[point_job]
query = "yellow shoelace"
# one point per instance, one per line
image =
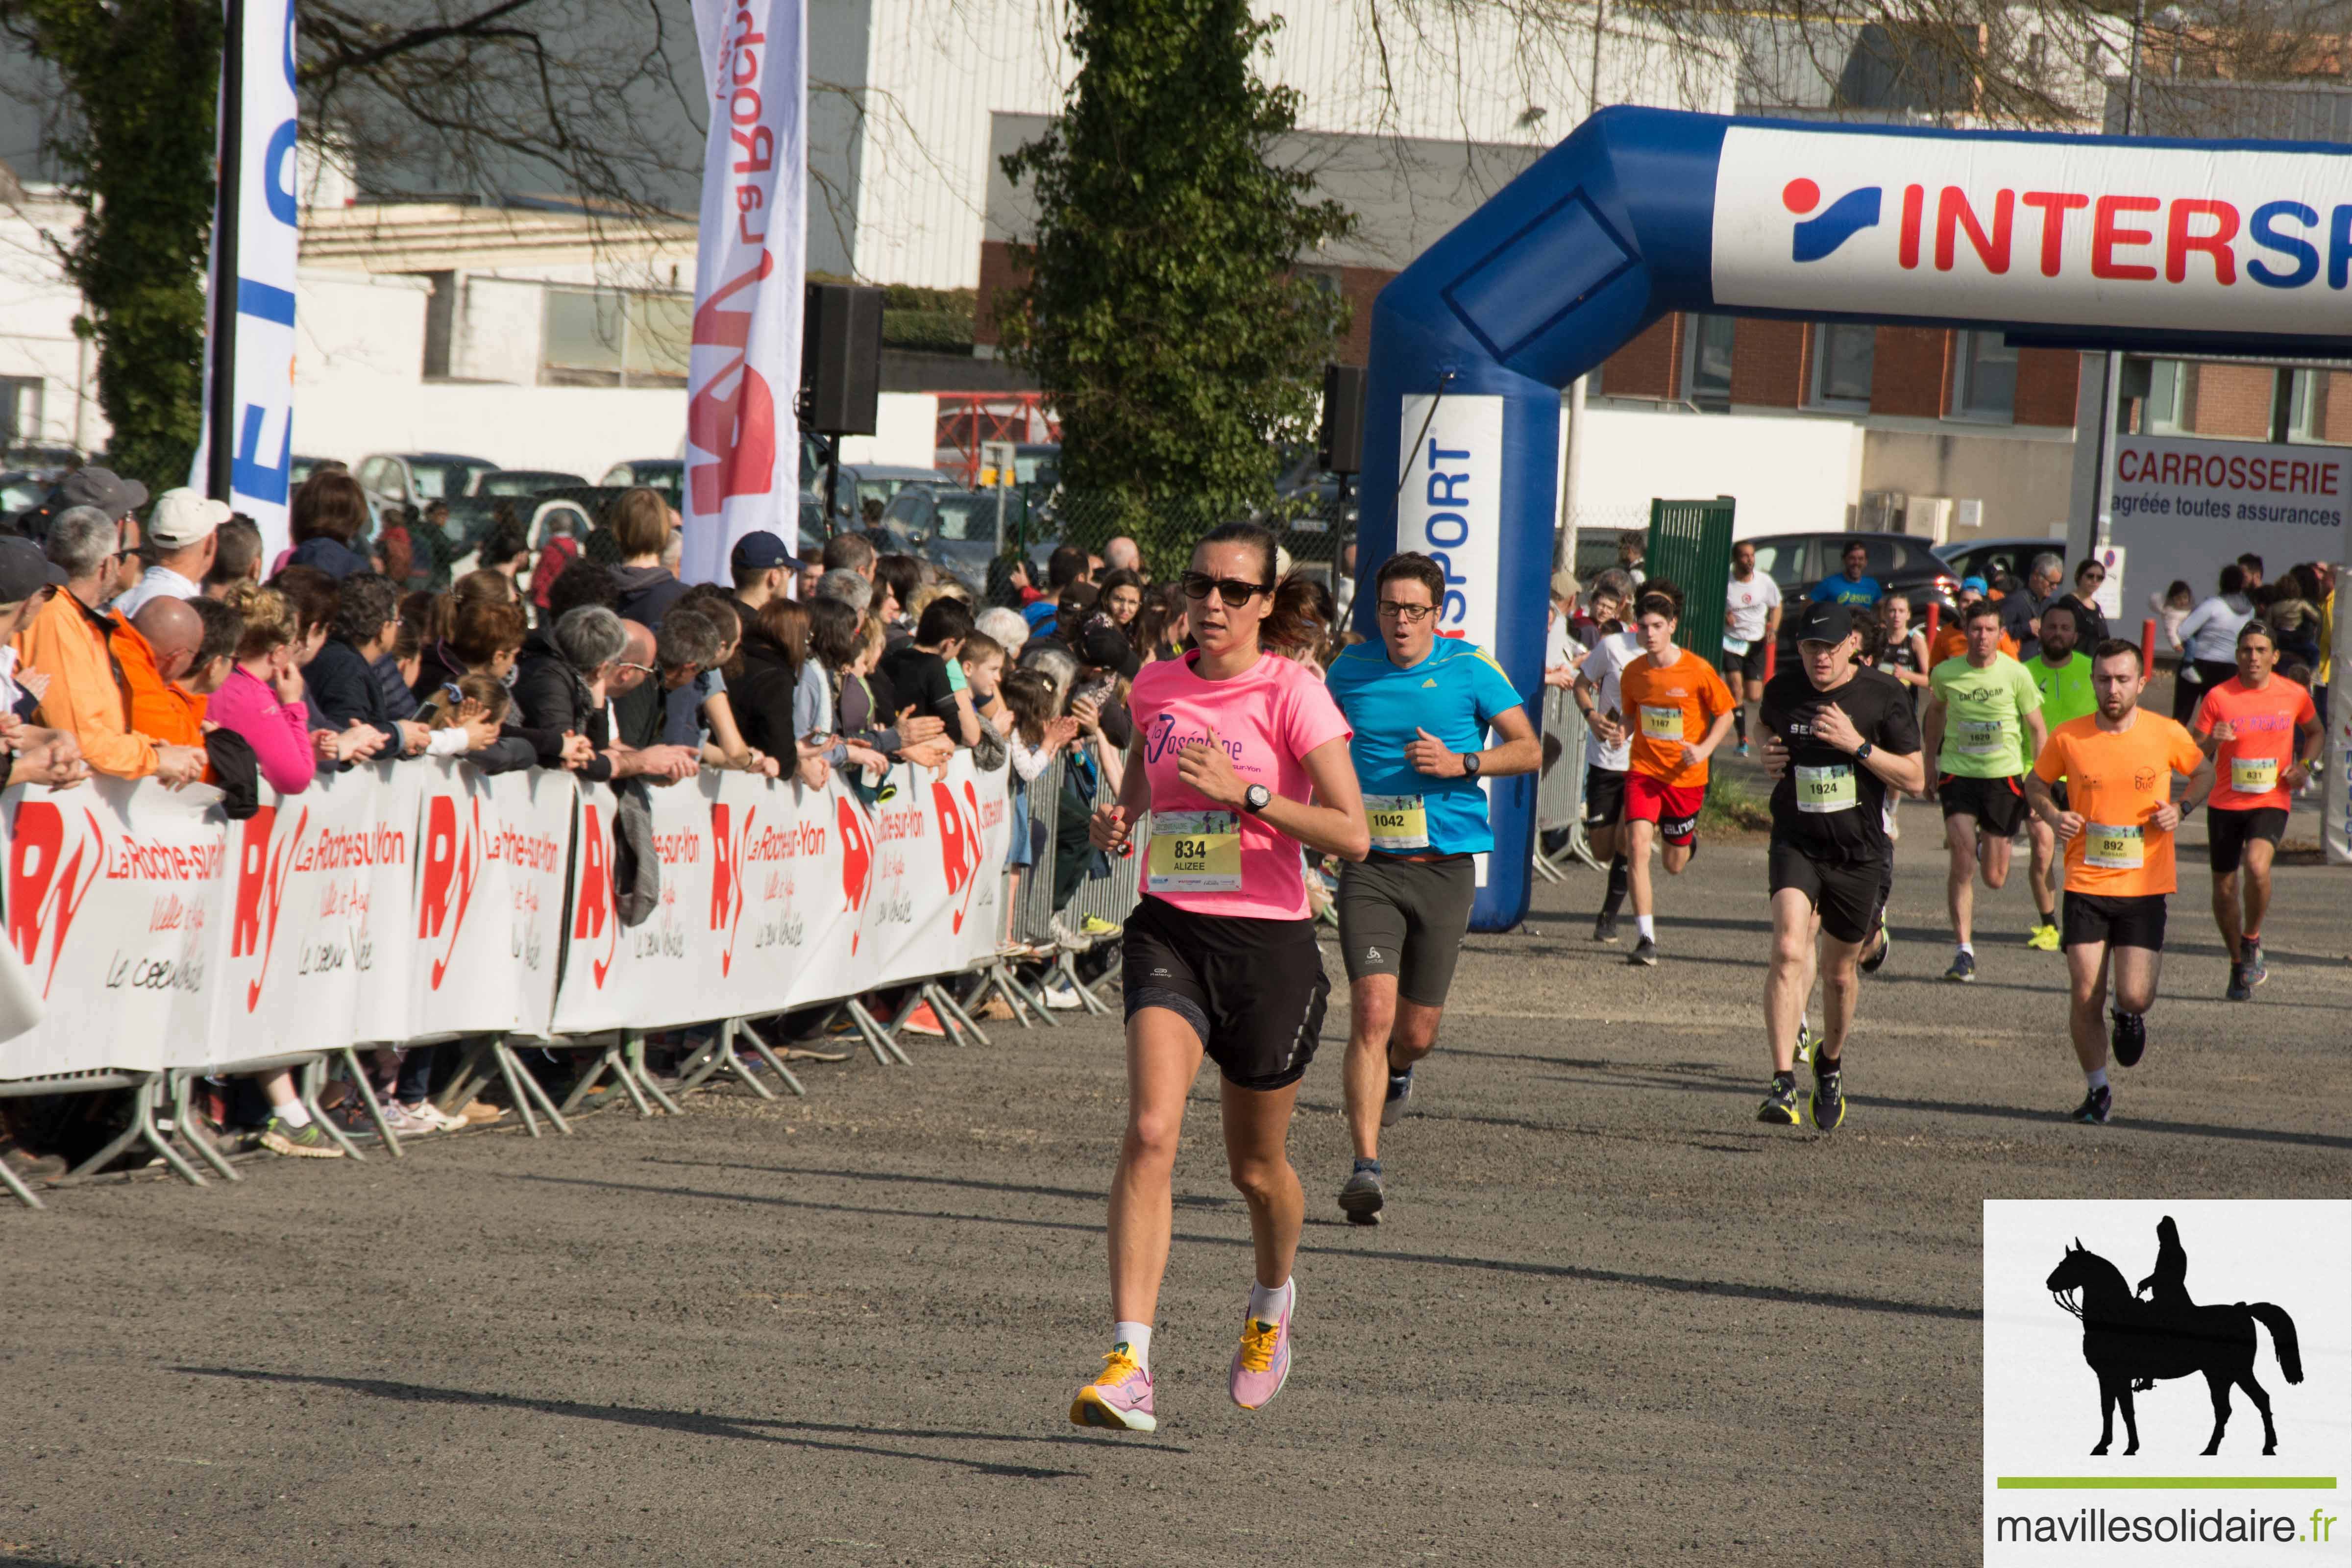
(1117, 1367)
(1257, 1343)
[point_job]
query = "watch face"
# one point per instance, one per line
(1259, 796)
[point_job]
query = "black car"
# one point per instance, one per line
(1902, 562)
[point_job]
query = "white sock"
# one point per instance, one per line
(294, 1114)
(1267, 1306)
(1136, 1338)
(1970, 948)
(1649, 931)
(2096, 1077)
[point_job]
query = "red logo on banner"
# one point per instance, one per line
(727, 878)
(738, 424)
(260, 878)
(593, 900)
(44, 896)
(452, 862)
(959, 844)
(856, 859)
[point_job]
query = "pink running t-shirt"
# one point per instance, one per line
(1212, 859)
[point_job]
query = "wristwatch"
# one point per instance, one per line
(1470, 765)
(1862, 753)
(1257, 798)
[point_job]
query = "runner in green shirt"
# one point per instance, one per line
(1983, 727)
(2062, 673)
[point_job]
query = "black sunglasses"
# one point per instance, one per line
(1232, 590)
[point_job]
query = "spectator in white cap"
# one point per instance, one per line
(181, 541)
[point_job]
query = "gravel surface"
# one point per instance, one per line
(1610, 1317)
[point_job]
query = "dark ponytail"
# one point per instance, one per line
(1291, 622)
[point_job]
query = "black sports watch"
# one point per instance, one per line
(1257, 798)
(1469, 765)
(1862, 753)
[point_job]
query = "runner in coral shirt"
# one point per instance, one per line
(2263, 734)
(1676, 711)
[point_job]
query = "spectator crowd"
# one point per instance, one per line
(142, 640)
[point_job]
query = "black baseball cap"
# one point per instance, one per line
(1106, 648)
(1825, 623)
(25, 571)
(103, 489)
(759, 549)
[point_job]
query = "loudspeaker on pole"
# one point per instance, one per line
(1342, 444)
(841, 359)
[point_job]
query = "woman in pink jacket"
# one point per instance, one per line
(262, 700)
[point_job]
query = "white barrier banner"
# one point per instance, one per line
(932, 910)
(491, 854)
(2336, 782)
(114, 891)
(307, 873)
(421, 901)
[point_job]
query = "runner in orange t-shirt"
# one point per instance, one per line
(2117, 827)
(1676, 711)
(2263, 736)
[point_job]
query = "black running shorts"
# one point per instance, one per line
(1749, 664)
(1848, 898)
(1998, 804)
(1253, 990)
(1604, 795)
(2226, 833)
(2119, 922)
(1406, 918)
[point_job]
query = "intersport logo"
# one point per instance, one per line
(2075, 231)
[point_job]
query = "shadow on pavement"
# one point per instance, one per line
(1493, 1265)
(695, 1424)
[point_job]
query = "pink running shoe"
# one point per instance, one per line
(1262, 1365)
(1119, 1399)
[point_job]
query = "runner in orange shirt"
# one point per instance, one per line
(2263, 736)
(2117, 827)
(1676, 711)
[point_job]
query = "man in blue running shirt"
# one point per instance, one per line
(1421, 707)
(1853, 586)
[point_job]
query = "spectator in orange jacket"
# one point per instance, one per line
(71, 642)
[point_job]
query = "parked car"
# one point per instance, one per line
(297, 469)
(956, 529)
(21, 489)
(861, 482)
(665, 474)
(414, 479)
(1996, 559)
(523, 481)
(1901, 564)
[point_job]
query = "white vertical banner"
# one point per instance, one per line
(256, 269)
(1450, 508)
(742, 458)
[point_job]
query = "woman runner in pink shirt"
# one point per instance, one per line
(1231, 743)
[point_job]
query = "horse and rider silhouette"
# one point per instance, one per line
(2132, 1343)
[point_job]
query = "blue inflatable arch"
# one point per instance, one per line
(2067, 241)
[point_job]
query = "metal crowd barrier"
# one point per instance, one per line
(1560, 791)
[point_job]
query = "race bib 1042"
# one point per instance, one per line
(1397, 821)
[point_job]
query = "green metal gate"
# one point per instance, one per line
(1690, 545)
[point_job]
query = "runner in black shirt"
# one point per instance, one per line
(1838, 736)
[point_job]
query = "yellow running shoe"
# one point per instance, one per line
(2042, 938)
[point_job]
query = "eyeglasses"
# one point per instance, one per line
(1410, 615)
(1233, 591)
(640, 668)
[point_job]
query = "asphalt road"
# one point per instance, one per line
(1611, 1318)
